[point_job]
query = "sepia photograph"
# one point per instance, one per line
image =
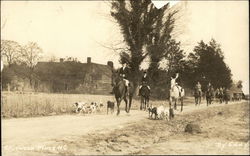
(124, 77)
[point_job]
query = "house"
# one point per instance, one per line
(76, 77)
(235, 92)
(64, 76)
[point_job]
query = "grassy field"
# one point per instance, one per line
(44, 104)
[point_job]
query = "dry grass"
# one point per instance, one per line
(43, 104)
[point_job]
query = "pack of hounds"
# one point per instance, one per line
(160, 112)
(93, 107)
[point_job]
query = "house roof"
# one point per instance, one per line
(92, 68)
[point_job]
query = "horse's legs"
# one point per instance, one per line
(147, 100)
(181, 104)
(129, 102)
(126, 102)
(118, 105)
(141, 103)
(150, 104)
(170, 102)
(144, 103)
(175, 105)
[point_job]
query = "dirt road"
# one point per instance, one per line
(53, 134)
(40, 130)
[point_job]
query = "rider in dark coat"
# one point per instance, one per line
(145, 78)
(144, 81)
(210, 89)
(124, 72)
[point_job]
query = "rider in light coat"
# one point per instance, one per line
(173, 81)
(198, 87)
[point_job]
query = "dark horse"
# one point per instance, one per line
(209, 96)
(121, 93)
(197, 96)
(144, 93)
(219, 95)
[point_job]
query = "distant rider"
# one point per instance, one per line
(144, 81)
(198, 87)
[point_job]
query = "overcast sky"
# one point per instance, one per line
(81, 28)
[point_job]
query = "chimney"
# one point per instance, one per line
(110, 64)
(88, 60)
(61, 59)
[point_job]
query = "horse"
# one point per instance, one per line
(177, 93)
(226, 96)
(219, 95)
(197, 96)
(144, 93)
(119, 89)
(209, 96)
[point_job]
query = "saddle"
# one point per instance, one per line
(145, 85)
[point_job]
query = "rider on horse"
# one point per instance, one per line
(209, 87)
(173, 81)
(198, 87)
(144, 81)
(124, 73)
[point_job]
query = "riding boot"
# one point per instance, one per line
(126, 90)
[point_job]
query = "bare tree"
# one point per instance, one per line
(10, 51)
(31, 53)
(52, 58)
